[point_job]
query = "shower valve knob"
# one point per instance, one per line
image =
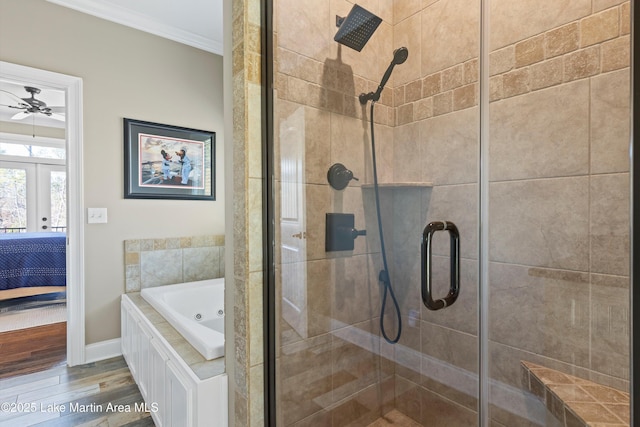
(339, 176)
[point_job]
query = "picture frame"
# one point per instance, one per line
(168, 162)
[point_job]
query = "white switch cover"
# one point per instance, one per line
(97, 215)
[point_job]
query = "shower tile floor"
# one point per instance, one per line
(394, 418)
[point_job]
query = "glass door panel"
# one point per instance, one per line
(17, 197)
(350, 351)
(52, 191)
(558, 181)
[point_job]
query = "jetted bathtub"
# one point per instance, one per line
(196, 310)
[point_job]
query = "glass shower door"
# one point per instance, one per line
(558, 204)
(334, 366)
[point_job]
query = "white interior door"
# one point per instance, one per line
(293, 244)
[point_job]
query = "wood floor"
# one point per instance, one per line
(32, 349)
(87, 395)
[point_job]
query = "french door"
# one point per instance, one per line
(33, 197)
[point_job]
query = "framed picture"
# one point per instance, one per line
(168, 162)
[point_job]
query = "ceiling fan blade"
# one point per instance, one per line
(8, 99)
(60, 109)
(57, 116)
(21, 115)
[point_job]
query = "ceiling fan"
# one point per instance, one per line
(30, 106)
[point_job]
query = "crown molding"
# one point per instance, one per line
(141, 22)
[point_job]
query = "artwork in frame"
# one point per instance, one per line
(168, 162)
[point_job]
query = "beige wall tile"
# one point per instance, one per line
(501, 61)
(159, 268)
(407, 35)
(406, 143)
(449, 146)
(542, 297)
(452, 77)
(453, 347)
(349, 141)
(471, 71)
(545, 74)
(610, 224)
(610, 325)
(404, 9)
(433, 406)
(605, 4)
(432, 85)
(562, 40)
(356, 296)
(398, 96)
(413, 91)
(515, 82)
(530, 51)
(616, 54)
(200, 263)
(514, 21)
(465, 97)
(310, 18)
(423, 109)
(541, 134)
(599, 27)
(405, 114)
(581, 64)
(625, 18)
(443, 103)
(496, 88)
(547, 227)
(450, 34)
(610, 122)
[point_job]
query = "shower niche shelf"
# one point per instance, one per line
(400, 185)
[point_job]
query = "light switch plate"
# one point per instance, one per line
(97, 215)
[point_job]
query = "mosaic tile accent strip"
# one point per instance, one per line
(575, 401)
(158, 262)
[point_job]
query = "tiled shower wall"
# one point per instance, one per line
(158, 262)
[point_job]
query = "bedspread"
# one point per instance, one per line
(32, 259)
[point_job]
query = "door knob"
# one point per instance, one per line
(300, 235)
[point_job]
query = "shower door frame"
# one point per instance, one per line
(268, 199)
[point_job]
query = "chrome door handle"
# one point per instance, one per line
(454, 287)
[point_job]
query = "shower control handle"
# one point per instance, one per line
(339, 176)
(454, 255)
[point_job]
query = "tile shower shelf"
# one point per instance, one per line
(577, 402)
(400, 185)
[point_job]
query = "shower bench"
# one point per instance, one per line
(575, 401)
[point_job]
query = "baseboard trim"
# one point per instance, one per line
(103, 350)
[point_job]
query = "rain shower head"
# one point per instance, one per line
(357, 28)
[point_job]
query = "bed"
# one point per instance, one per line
(32, 263)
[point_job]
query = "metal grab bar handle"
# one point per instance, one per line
(454, 287)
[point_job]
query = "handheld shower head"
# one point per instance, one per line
(400, 55)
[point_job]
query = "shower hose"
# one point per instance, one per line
(384, 274)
